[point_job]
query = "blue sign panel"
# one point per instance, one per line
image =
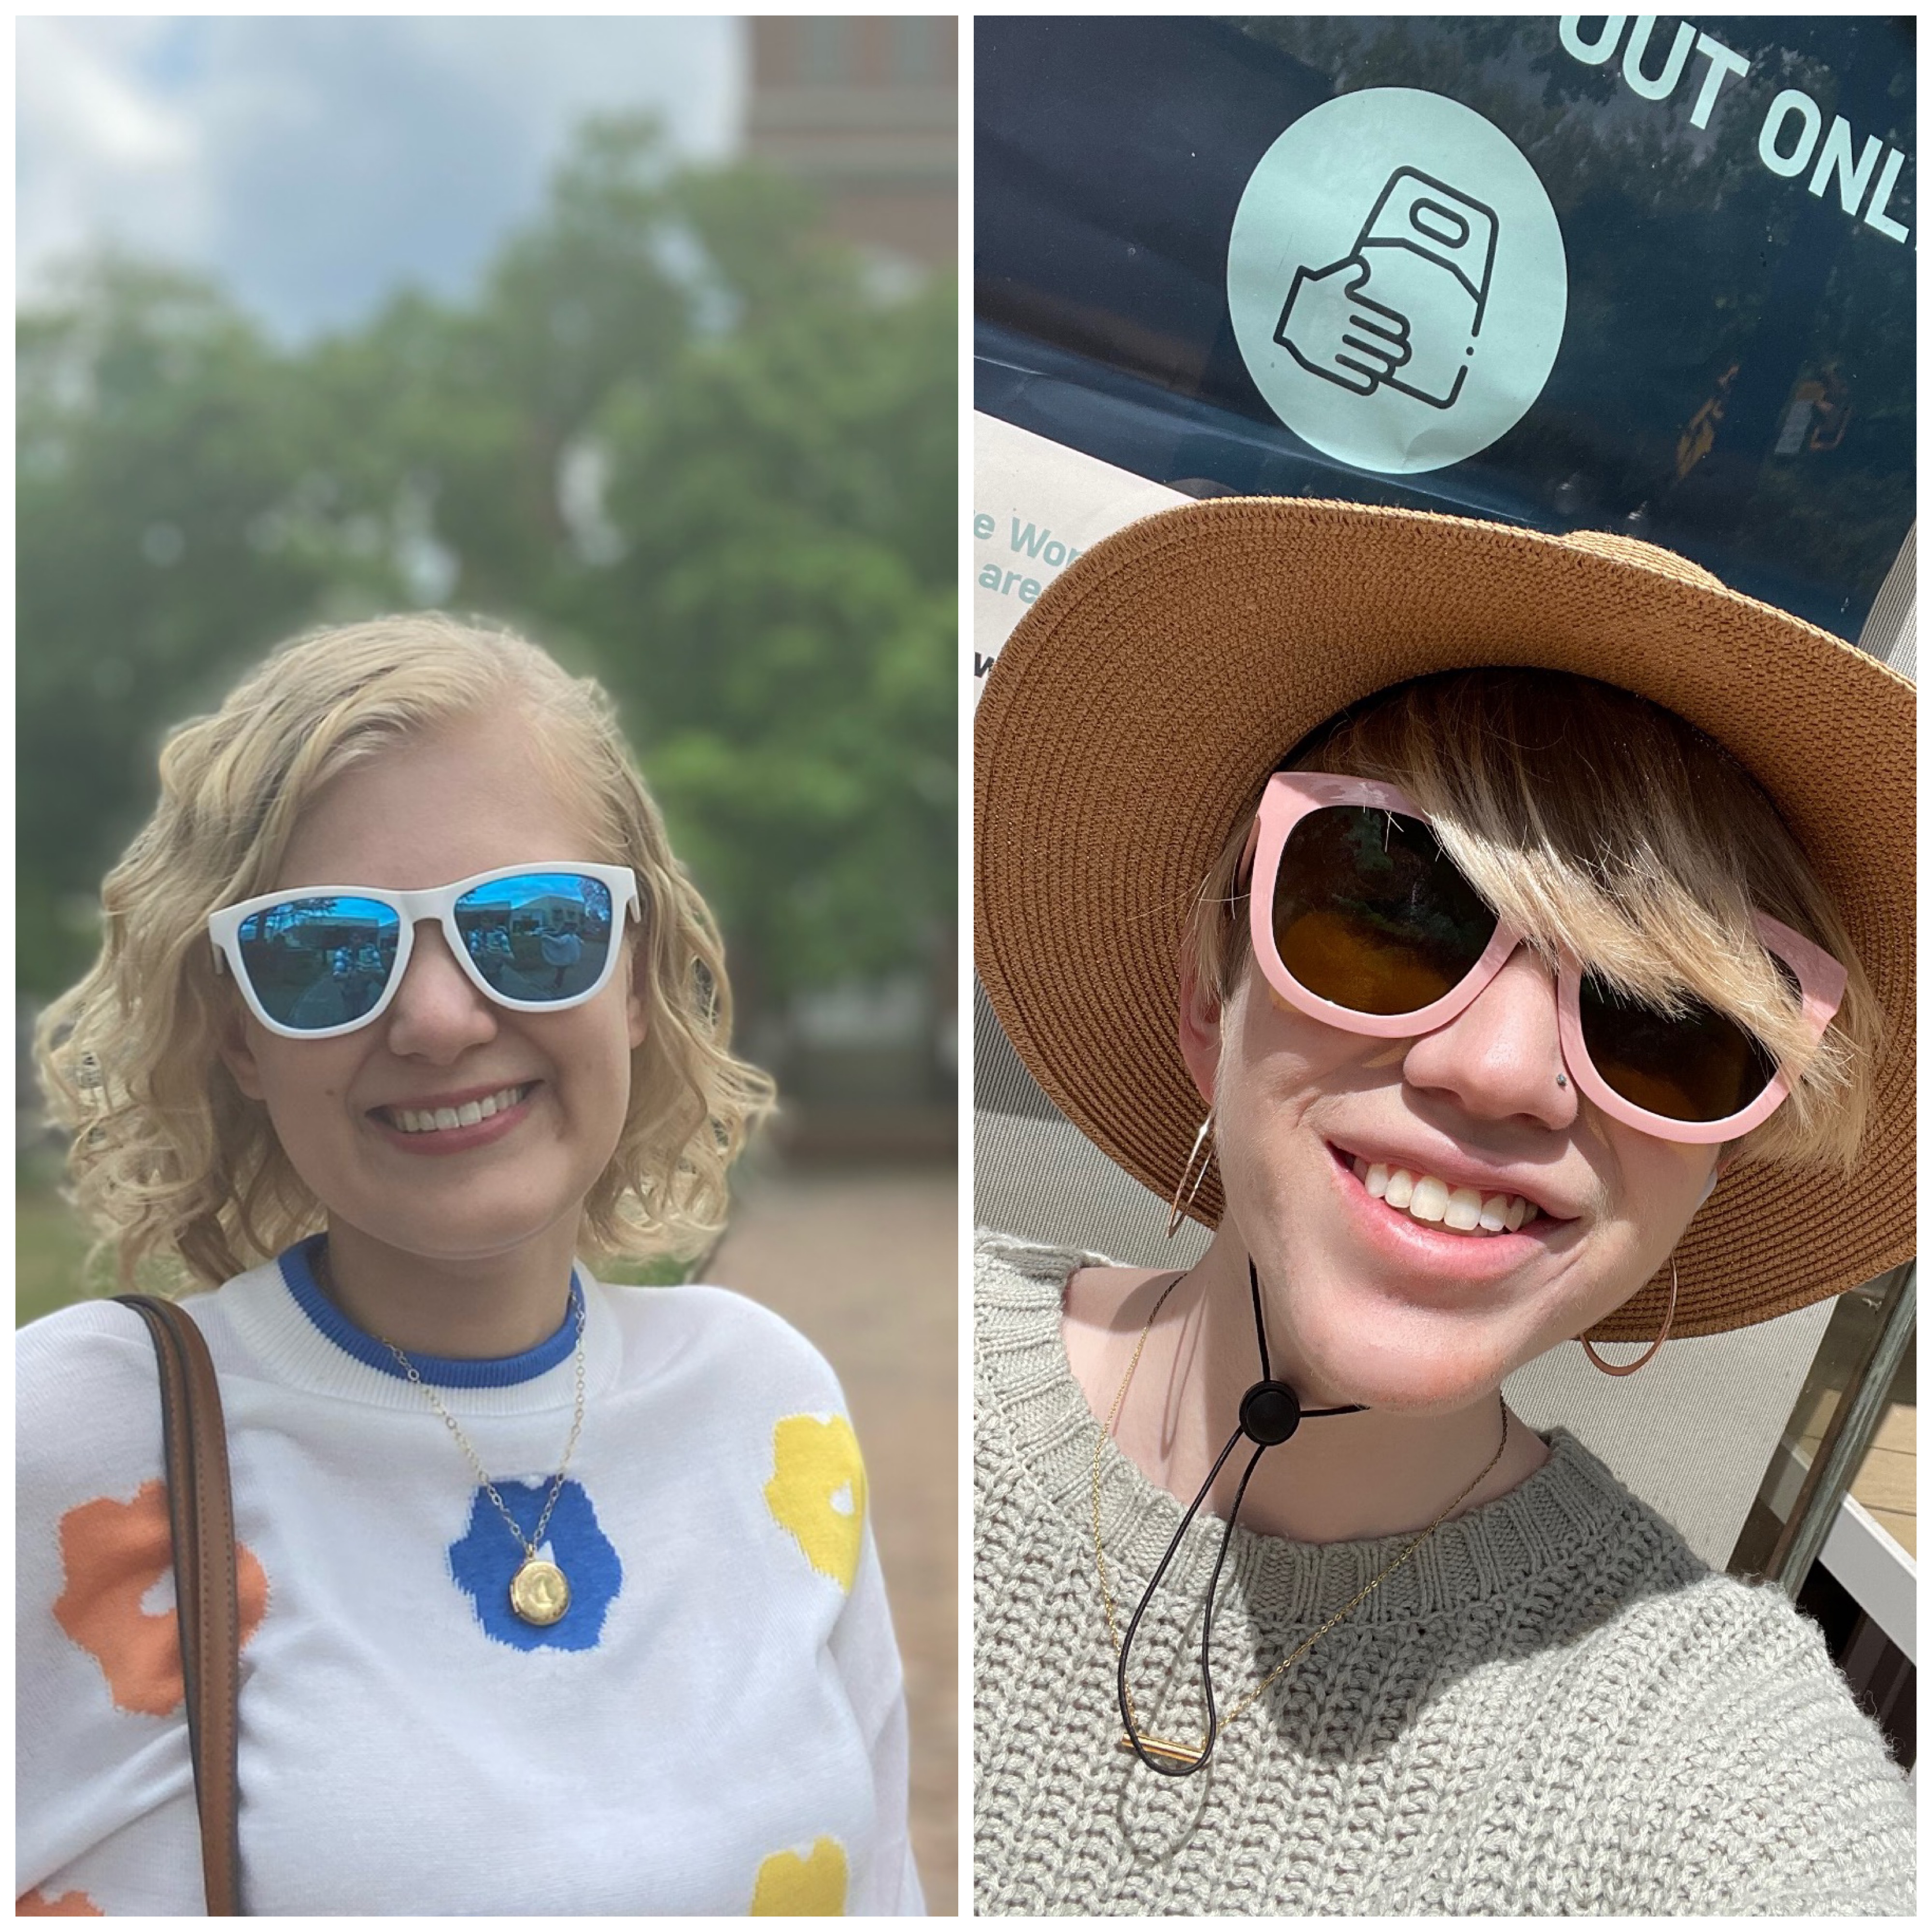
(1613, 272)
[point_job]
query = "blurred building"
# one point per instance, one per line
(866, 108)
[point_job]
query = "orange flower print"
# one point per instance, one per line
(112, 1554)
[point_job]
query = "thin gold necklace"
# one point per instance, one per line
(539, 1592)
(1187, 1758)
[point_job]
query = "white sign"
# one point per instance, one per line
(1036, 507)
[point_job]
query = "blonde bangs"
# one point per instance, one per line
(169, 1161)
(1597, 824)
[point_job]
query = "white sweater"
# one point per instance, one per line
(717, 1724)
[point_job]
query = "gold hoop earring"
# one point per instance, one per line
(1631, 1368)
(1178, 1208)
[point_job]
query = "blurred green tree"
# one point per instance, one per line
(785, 596)
(692, 446)
(155, 425)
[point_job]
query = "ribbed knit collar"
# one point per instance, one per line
(301, 1339)
(1552, 1519)
(298, 1265)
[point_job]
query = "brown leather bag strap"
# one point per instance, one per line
(201, 1519)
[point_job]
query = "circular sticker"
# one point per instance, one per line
(1396, 280)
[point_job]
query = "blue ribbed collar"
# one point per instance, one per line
(298, 1267)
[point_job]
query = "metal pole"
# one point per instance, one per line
(1847, 1438)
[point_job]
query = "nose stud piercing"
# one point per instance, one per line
(1562, 1079)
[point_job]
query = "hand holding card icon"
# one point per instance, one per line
(1397, 282)
(1427, 249)
(1333, 328)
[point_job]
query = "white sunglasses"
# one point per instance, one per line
(328, 959)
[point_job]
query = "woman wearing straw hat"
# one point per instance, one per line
(1495, 939)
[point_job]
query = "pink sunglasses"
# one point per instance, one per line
(1358, 918)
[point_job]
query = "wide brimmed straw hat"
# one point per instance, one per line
(1137, 710)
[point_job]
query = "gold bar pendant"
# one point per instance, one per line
(1161, 1747)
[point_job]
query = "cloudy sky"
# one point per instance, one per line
(316, 163)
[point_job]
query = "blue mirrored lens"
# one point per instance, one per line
(318, 963)
(539, 937)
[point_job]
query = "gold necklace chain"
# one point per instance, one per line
(539, 1592)
(1181, 1753)
(530, 1546)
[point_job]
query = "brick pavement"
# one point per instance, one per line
(866, 1263)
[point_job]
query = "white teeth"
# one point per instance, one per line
(1425, 1198)
(1429, 1200)
(421, 1120)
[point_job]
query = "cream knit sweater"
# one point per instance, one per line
(1553, 1707)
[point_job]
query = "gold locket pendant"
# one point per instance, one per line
(539, 1592)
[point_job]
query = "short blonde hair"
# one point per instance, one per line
(1597, 823)
(169, 1159)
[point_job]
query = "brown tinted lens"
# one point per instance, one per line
(1370, 914)
(1698, 1066)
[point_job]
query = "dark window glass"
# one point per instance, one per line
(1735, 376)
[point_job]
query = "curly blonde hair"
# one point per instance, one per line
(1597, 823)
(169, 1161)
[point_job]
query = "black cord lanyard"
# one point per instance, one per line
(1271, 1412)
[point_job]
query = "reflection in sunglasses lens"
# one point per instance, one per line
(1698, 1066)
(317, 963)
(537, 938)
(1371, 914)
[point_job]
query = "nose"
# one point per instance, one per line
(438, 1014)
(1500, 1057)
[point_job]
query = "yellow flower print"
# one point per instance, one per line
(817, 1492)
(790, 1886)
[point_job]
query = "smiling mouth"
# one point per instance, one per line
(442, 1120)
(1426, 1198)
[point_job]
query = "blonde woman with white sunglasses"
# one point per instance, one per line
(555, 1596)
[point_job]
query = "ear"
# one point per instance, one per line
(635, 1010)
(237, 1052)
(1200, 1027)
(1727, 1158)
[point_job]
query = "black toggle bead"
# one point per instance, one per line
(1270, 1413)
